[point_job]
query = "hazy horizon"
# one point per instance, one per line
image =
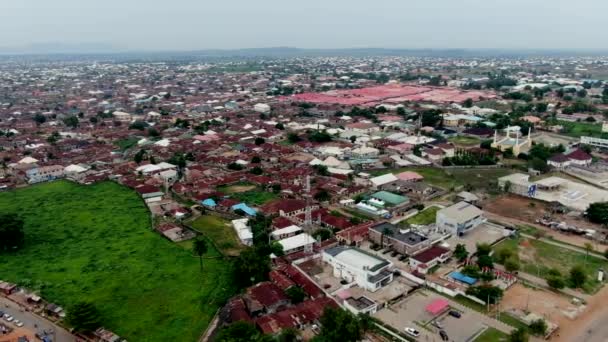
(187, 25)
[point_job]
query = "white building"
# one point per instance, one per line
(354, 265)
(243, 231)
(459, 218)
(261, 108)
(296, 243)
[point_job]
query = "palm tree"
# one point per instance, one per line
(588, 249)
(200, 248)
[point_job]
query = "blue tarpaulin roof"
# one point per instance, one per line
(244, 207)
(209, 202)
(463, 278)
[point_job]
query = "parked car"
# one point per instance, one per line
(8, 318)
(444, 335)
(412, 331)
(394, 254)
(437, 324)
(18, 323)
(455, 313)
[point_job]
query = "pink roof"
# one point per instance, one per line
(409, 176)
(437, 306)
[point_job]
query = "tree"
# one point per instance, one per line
(353, 138)
(483, 249)
(252, 265)
(259, 141)
(240, 331)
(257, 171)
(39, 119)
(276, 188)
(71, 121)
(519, 335)
(512, 264)
(279, 126)
(321, 169)
(200, 248)
(139, 125)
(235, 166)
(598, 212)
(460, 252)
(293, 138)
(577, 276)
(83, 317)
(485, 261)
(538, 327)
(588, 249)
(296, 294)
(153, 132)
(256, 160)
(11, 232)
(555, 282)
(488, 293)
(339, 325)
(139, 156)
(322, 234)
(322, 196)
(468, 103)
(288, 335)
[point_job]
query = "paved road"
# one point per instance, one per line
(29, 320)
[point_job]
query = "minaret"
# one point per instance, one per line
(495, 135)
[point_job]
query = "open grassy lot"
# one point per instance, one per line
(578, 129)
(220, 231)
(236, 188)
(95, 243)
(453, 178)
(425, 217)
(538, 257)
(492, 335)
(254, 197)
(464, 140)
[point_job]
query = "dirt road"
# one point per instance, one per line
(592, 325)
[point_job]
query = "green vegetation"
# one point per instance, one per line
(453, 178)
(255, 197)
(578, 129)
(464, 140)
(598, 212)
(425, 217)
(219, 231)
(126, 143)
(94, 244)
(491, 335)
(235, 188)
(549, 261)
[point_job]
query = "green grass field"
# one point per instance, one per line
(254, 197)
(425, 217)
(220, 231)
(578, 129)
(95, 243)
(492, 335)
(538, 257)
(453, 178)
(465, 141)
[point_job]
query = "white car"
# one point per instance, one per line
(412, 331)
(18, 323)
(9, 318)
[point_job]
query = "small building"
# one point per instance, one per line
(429, 258)
(459, 218)
(467, 197)
(357, 266)
(361, 305)
(404, 241)
(297, 243)
(243, 231)
(514, 144)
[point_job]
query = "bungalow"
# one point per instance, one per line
(429, 258)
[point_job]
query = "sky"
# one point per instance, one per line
(159, 25)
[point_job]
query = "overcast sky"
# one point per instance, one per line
(226, 24)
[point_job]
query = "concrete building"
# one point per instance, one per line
(404, 241)
(354, 265)
(459, 218)
(44, 173)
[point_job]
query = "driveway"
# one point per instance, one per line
(30, 321)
